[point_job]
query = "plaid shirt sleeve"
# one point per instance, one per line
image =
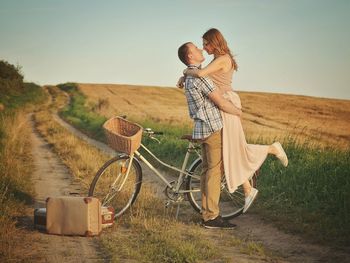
(206, 85)
(206, 116)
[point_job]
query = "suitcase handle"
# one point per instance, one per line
(87, 200)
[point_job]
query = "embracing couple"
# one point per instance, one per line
(216, 111)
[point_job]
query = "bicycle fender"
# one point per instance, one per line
(194, 163)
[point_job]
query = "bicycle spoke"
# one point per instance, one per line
(108, 198)
(197, 177)
(117, 183)
(236, 202)
(237, 195)
(231, 204)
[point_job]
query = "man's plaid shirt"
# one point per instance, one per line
(206, 115)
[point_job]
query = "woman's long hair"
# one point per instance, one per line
(218, 42)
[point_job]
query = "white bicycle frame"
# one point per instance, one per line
(174, 189)
(182, 172)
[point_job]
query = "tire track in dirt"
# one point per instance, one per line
(288, 247)
(52, 178)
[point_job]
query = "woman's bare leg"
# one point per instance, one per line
(246, 185)
(246, 188)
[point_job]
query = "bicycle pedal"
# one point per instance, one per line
(180, 199)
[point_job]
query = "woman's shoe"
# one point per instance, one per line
(250, 198)
(281, 155)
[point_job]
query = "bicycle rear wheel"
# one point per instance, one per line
(231, 204)
(115, 186)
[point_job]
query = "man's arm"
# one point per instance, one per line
(224, 104)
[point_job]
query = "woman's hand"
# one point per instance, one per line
(239, 112)
(180, 82)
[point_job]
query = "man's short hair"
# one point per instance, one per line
(182, 52)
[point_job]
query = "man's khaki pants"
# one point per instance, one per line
(211, 175)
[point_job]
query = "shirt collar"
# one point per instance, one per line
(194, 66)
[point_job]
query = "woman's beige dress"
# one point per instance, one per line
(241, 160)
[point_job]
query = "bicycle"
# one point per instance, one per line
(118, 182)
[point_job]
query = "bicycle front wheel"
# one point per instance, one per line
(117, 183)
(230, 204)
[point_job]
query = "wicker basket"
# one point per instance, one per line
(122, 135)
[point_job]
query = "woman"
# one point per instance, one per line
(241, 160)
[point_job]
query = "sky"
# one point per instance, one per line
(282, 46)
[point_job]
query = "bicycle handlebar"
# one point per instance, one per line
(149, 131)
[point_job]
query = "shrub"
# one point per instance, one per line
(11, 79)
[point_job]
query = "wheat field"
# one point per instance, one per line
(265, 115)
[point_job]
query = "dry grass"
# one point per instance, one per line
(82, 159)
(266, 115)
(15, 186)
(158, 104)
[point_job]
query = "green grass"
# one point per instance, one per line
(31, 94)
(79, 115)
(171, 148)
(310, 197)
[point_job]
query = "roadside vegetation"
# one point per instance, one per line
(76, 114)
(310, 197)
(16, 190)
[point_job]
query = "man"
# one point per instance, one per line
(204, 102)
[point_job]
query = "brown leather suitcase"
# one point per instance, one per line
(107, 216)
(40, 218)
(69, 215)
